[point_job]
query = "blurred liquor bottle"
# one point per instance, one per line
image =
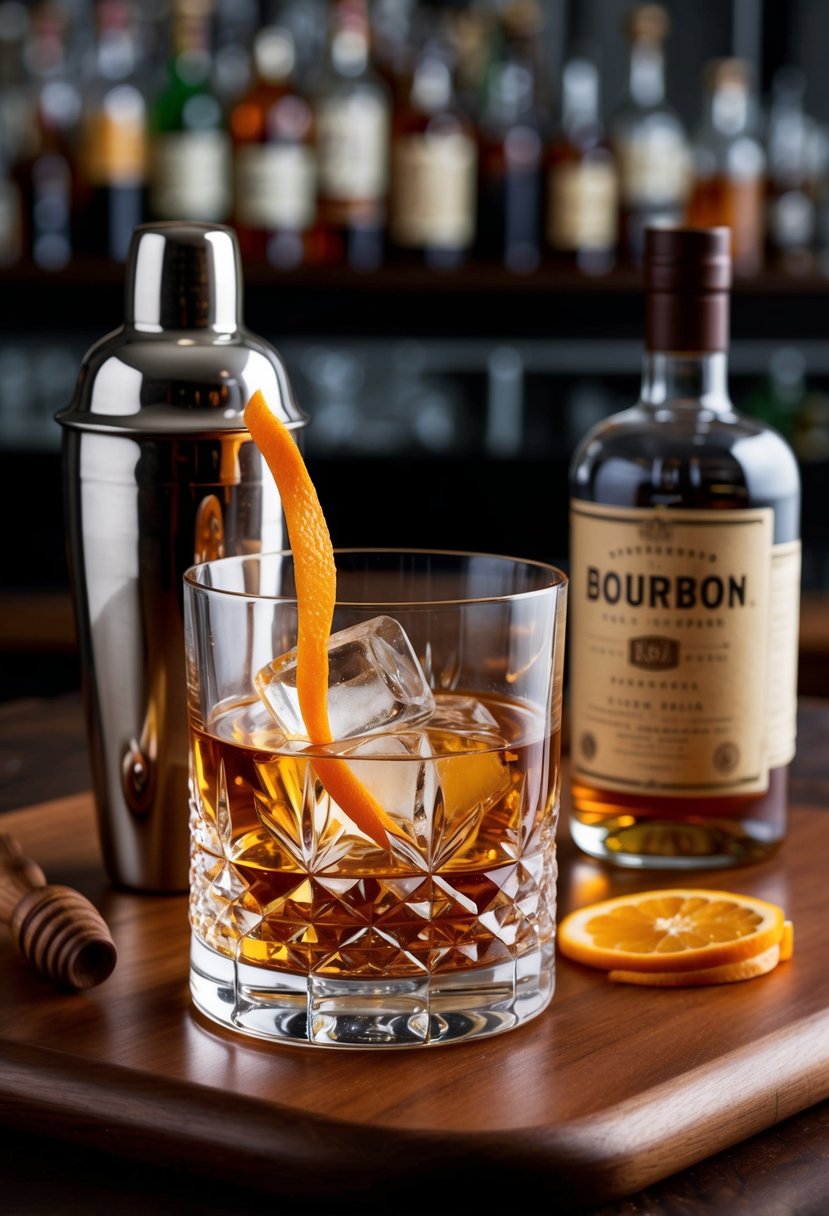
(778, 398)
(353, 118)
(792, 189)
(819, 176)
(11, 227)
(190, 161)
(647, 137)
(434, 167)
(729, 164)
(113, 138)
(513, 131)
(468, 29)
(17, 127)
(48, 175)
(274, 207)
(582, 185)
(233, 69)
(393, 40)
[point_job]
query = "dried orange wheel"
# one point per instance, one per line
(727, 973)
(672, 930)
(315, 574)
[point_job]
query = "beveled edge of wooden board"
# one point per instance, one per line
(294, 1154)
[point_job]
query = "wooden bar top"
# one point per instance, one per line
(615, 1100)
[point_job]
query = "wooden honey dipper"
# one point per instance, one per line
(56, 928)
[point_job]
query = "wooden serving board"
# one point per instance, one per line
(608, 1091)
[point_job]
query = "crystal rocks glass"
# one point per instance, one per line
(446, 694)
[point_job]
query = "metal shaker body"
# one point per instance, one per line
(160, 472)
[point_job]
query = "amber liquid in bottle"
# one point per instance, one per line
(433, 170)
(683, 448)
(729, 166)
(581, 223)
(353, 116)
(272, 127)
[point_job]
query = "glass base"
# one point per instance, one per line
(316, 1010)
(652, 844)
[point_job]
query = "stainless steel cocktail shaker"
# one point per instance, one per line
(160, 473)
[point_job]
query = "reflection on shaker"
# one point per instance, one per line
(209, 541)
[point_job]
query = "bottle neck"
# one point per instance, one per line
(511, 92)
(580, 96)
(117, 58)
(729, 109)
(686, 379)
(349, 53)
(646, 74)
(432, 86)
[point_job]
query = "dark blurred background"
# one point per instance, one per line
(444, 403)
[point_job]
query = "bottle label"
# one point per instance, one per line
(683, 649)
(434, 191)
(275, 186)
(352, 143)
(581, 206)
(191, 176)
(115, 139)
(653, 169)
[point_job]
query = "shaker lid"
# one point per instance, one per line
(182, 363)
(183, 276)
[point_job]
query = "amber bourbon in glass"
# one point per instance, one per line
(685, 584)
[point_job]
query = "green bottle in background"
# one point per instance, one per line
(190, 159)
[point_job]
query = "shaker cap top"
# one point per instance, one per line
(184, 276)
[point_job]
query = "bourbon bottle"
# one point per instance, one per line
(685, 584)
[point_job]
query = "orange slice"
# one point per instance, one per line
(727, 973)
(680, 929)
(315, 574)
(787, 942)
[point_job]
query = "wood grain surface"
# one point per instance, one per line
(610, 1090)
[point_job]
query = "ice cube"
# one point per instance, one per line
(399, 771)
(375, 682)
(471, 749)
(466, 716)
(436, 786)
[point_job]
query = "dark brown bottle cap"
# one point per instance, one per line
(687, 284)
(719, 73)
(647, 23)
